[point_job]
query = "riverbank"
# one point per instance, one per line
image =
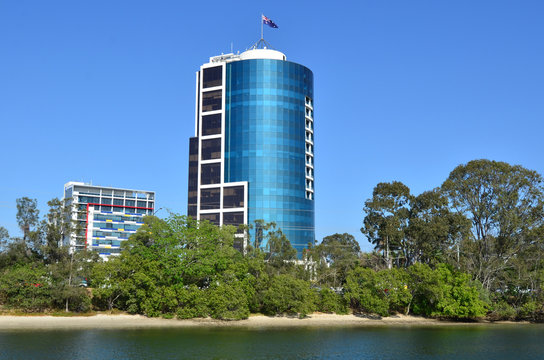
(123, 321)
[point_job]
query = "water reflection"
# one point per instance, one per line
(458, 342)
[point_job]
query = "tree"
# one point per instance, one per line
(289, 295)
(68, 272)
(279, 253)
(168, 266)
(227, 300)
(67, 268)
(25, 287)
(27, 215)
(337, 255)
(377, 292)
(273, 246)
(107, 283)
(444, 293)
(330, 301)
(434, 230)
(386, 220)
(4, 238)
(55, 226)
(505, 204)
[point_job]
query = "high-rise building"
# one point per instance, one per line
(252, 156)
(104, 216)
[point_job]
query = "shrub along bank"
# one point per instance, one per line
(473, 247)
(178, 268)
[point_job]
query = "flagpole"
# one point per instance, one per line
(262, 26)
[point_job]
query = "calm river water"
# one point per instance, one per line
(455, 342)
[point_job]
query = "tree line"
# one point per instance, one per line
(486, 220)
(469, 249)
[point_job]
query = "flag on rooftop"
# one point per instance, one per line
(269, 22)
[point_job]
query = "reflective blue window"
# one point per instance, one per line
(265, 142)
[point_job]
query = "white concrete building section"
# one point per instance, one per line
(202, 212)
(103, 217)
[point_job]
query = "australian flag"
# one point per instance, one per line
(269, 22)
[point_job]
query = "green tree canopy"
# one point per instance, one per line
(386, 219)
(434, 231)
(505, 204)
(28, 215)
(340, 254)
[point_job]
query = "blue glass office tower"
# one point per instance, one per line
(252, 154)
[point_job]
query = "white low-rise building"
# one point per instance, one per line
(103, 217)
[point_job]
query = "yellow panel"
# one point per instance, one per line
(108, 246)
(120, 229)
(109, 220)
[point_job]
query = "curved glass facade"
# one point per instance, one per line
(265, 142)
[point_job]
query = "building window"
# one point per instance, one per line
(130, 202)
(211, 100)
(211, 149)
(141, 204)
(89, 199)
(210, 174)
(213, 218)
(118, 202)
(233, 218)
(193, 177)
(233, 197)
(210, 199)
(211, 124)
(212, 77)
(106, 201)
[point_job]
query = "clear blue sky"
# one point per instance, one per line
(404, 90)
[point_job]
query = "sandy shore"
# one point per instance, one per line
(256, 321)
